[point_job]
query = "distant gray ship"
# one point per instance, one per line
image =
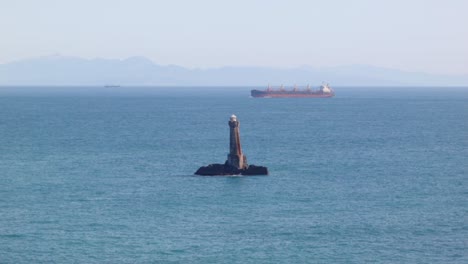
(324, 91)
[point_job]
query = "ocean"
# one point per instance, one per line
(105, 175)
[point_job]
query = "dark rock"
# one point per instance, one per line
(255, 170)
(224, 170)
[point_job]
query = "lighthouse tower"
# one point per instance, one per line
(236, 158)
(236, 163)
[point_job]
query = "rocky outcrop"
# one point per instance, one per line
(225, 169)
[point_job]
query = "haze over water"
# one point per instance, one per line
(94, 175)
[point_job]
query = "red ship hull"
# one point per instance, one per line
(289, 94)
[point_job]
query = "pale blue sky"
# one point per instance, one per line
(413, 35)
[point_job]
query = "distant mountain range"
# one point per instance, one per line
(62, 70)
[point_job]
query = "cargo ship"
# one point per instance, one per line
(324, 91)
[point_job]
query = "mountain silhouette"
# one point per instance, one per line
(65, 70)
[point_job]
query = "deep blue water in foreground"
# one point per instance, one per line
(95, 175)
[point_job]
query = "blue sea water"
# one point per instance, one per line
(105, 175)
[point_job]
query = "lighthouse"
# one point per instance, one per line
(236, 163)
(235, 158)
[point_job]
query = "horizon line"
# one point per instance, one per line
(220, 86)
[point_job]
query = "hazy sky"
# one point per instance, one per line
(414, 35)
